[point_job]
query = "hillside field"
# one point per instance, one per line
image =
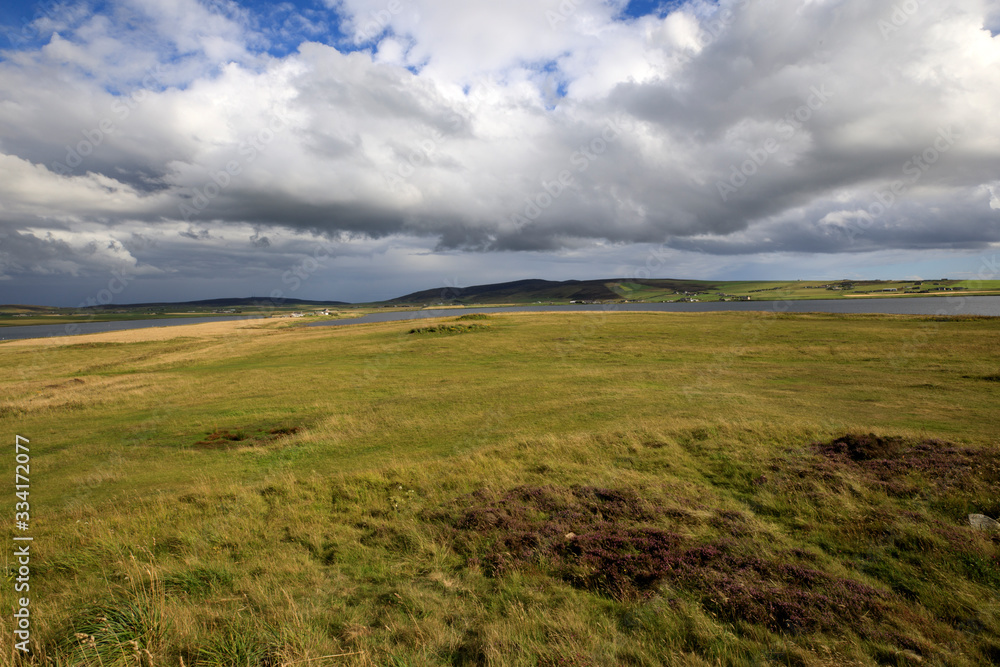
(668, 290)
(514, 489)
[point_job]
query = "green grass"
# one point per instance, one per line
(560, 489)
(667, 290)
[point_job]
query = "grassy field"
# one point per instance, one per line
(650, 291)
(515, 489)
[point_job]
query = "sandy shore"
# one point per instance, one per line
(204, 330)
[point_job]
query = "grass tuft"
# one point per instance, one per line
(241, 642)
(125, 629)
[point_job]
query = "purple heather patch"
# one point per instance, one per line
(889, 460)
(601, 540)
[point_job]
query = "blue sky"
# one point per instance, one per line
(361, 149)
(287, 24)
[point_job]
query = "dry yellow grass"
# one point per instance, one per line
(151, 334)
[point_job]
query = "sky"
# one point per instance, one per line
(358, 150)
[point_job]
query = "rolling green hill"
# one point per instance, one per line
(665, 290)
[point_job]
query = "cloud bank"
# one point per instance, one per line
(190, 139)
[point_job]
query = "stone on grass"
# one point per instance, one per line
(983, 522)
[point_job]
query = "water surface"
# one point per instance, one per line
(935, 305)
(79, 328)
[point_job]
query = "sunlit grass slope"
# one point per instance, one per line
(525, 489)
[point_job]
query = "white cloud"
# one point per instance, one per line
(994, 190)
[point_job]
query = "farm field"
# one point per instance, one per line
(651, 290)
(512, 489)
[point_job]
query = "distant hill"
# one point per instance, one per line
(225, 303)
(520, 291)
(604, 290)
(23, 308)
(671, 290)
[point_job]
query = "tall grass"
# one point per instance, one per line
(125, 626)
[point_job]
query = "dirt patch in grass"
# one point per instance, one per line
(861, 447)
(614, 542)
(245, 437)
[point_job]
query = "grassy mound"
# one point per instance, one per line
(449, 329)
